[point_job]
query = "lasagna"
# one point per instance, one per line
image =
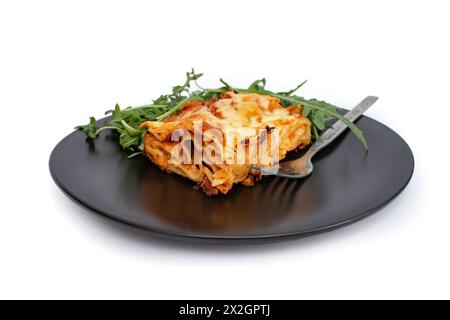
(216, 143)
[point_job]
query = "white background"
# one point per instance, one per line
(62, 61)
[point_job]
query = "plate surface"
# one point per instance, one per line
(347, 184)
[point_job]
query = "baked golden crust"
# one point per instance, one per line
(243, 115)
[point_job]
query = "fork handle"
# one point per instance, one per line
(339, 127)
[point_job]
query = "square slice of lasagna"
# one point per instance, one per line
(214, 143)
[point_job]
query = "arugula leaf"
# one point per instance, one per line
(89, 129)
(292, 91)
(318, 118)
(258, 84)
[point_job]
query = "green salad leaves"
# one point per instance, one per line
(126, 121)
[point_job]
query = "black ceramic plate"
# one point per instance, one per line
(347, 184)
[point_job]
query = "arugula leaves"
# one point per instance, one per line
(126, 121)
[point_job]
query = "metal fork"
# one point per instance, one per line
(303, 167)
